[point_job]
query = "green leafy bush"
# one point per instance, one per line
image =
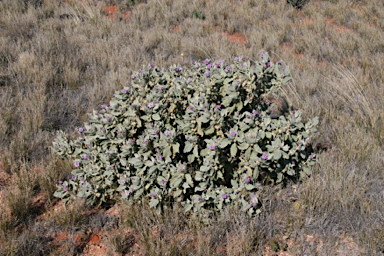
(201, 136)
(198, 15)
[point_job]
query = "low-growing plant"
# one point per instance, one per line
(198, 14)
(298, 4)
(199, 135)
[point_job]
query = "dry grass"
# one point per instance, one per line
(61, 59)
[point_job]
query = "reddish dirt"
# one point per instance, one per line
(62, 236)
(338, 29)
(110, 10)
(175, 29)
(306, 20)
(236, 38)
(289, 49)
(94, 239)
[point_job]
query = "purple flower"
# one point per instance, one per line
(163, 181)
(150, 105)
(207, 74)
(254, 112)
(107, 118)
(264, 156)
(233, 133)
(121, 182)
(127, 192)
(247, 179)
(262, 55)
(190, 107)
(81, 179)
(178, 69)
(140, 71)
(313, 155)
(160, 87)
(154, 131)
(236, 58)
(85, 156)
(206, 62)
(268, 64)
(84, 183)
(130, 141)
(59, 182)
(279, 62)
(284, 68)
(146, 142)
(189, 79)
(65, 188)
(160, 158)
(227, 68)
(218, 106)
(223, 196)
(217, 65)
(150, 124)
(294, 111)
(133, 76)
(152, 195)
(243, 59)
(252, 195)
(221, 61)
(167, 133)
(72, 177)
(209, 66)
(251, 203)
(124, 90)
(104, 106)
(211, 147)
(80, 129)
(151, 65)
(76, 164)
(199, 198)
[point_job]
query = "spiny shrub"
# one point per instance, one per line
(201, 136)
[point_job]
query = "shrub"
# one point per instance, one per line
(201, 136)
(298, 4)
(198, 15)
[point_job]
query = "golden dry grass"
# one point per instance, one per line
(61, 59)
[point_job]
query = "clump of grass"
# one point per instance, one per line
(71, 215)
(120, 242)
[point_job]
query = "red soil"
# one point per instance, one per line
(236, 38)
(339, 29)
(111, 11)
(94, 239)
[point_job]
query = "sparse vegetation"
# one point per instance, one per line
(61, 59)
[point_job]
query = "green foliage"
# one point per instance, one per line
(201, 136)
(198, 14)
(298, 4)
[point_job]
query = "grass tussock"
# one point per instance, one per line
(61, 59)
